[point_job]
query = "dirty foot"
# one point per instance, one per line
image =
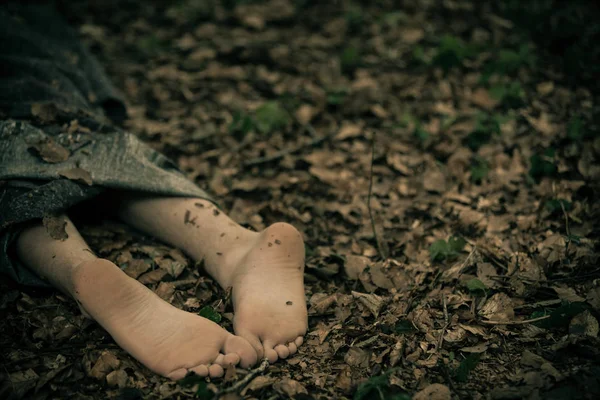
(169, 341)
(268, 292)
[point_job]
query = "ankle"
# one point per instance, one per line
(83, 273)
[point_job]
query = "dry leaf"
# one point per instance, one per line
(77, 174)
(258, 383)
(117, 378)
(136, 268)
(56, 226)
(499, 307)
(165, 290)
(435, 391)
(289, 387)
(354, 265)
(584, 324)
(50, 151)
(371, 301)
(567, 293)
(106, 363)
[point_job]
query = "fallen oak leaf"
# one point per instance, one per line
(50, 151)
(371, 301)
(56, 226)
(77, 174)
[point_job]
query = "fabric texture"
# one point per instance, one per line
(58, 142)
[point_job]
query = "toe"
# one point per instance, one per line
(231, 359)
(220, 359)
(215, 371)
(282, 351)
(292, 347)
(254, 342)
(178, 374)
(299, 340)
(270, 353)
(243, 349)
(201, 370)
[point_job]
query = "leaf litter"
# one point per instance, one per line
(484, 166)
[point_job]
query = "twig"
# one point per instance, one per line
(446, 323)
(242, 383)
(382, 251)
(280, 154)
(527, 321)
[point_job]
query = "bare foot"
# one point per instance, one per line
(169, 341)
(268, 291)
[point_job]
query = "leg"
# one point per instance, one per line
(264, 269)
(167, 340)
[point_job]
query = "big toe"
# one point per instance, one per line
(240, 346)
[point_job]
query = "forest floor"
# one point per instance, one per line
(482, 279)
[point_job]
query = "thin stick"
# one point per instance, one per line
(527, 321)
(382, 251)
(446, 323)
(242, 383)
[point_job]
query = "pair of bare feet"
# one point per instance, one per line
(265, 271)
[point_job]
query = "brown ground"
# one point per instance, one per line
(273, 107)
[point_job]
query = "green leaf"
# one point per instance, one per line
(466, 366)
(542, 165)
(479, 170)
(439, 250)
(560, 316)
(555, 205)
(378, 387)
(349, 60)
(456, 244)
(404, 326)
(420, 134)
(209, 313)
(575, 130)
(270, 117)
(475, 285)
(202, 392)
(336, 97)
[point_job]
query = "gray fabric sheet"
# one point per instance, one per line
(47, 81)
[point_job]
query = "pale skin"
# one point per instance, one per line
(264, 269)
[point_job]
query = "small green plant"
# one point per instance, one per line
(404, 326)
(475, 286)
(267, 118)
(241, 124)
(336, 97)
(354, 19)
(542, 164)
(479, 170)
(378, 387)
(270, 117)
(560, 316)
(557, 205)
(451, 52)
(461, 374)
(508, 62)
(350, 60)
(441, 250)
(202, 391)
(486, 126)
(150, 45)
(575, 129)
(191, 10)
(210, 313)
(510, 95)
